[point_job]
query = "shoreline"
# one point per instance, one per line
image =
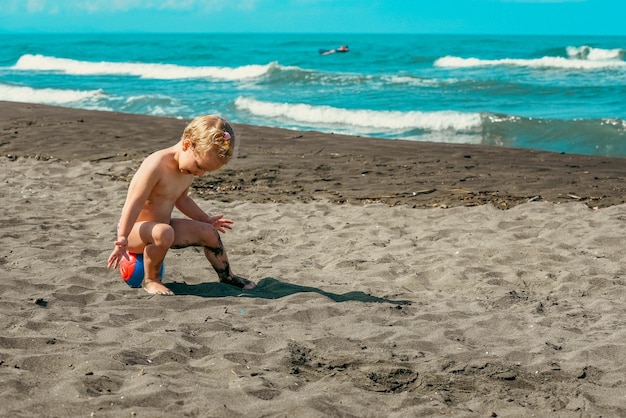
(279, 165)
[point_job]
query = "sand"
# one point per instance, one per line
(391, 281)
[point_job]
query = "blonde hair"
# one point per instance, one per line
(211, 133)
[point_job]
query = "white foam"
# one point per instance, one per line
(26, 94)
(30, 62)
(594, 54)
(365, 120)
(545, 62)
(411, 80)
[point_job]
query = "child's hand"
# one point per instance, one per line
(118, 253)
(220, 223)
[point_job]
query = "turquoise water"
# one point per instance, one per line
(563, 94)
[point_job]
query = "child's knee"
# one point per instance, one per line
(164, 235)
(211, 237)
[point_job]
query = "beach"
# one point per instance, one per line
(396, 278)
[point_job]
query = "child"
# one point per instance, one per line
(162, 183)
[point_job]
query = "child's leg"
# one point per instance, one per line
(156, 239)
(219, 260)
(193, 233)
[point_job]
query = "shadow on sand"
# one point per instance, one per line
(270, 288)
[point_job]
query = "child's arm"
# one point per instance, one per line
(140, 187)
(142, 184)
(190, 208)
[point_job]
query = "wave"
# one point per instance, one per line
(579, 58)
(594, 54)
(29, 62)
(293, 75)
(26, 94)
(271, 73)
(605, 136)
(147, 104)
(412, 80)
(361, 120)
(152, 104)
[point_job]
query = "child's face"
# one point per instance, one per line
(194, 163)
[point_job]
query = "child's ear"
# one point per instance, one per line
(187, 144)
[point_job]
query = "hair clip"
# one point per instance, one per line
(226, 136)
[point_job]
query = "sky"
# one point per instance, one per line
(528, 17)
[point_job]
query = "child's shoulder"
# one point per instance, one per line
(163, 160)
(160, 155)
(157, 159)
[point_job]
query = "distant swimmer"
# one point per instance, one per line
(342, 48)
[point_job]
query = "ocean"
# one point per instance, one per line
(555, 93)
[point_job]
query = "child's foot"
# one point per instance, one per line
(239, 281)
(155, 287)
